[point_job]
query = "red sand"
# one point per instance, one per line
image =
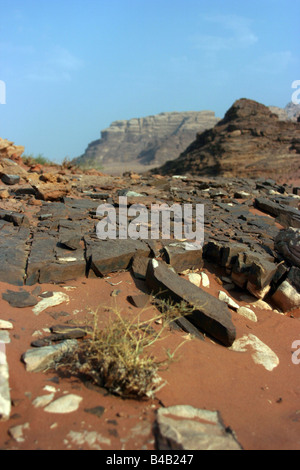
(261, 407)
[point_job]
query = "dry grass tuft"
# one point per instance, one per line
(118, 356)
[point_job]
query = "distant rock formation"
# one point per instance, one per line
(150, 140)
(290, 113)
(249, 141)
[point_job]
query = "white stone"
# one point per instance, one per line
(195, 279)
(155, 263)
(5, 325)
(262, 354)
(286, 296)
(65, 404)
(16, 432)
(43, 400)
(247, 313)
(5, 402)
(204, 280)
(56, 299)
(230, 302)
(91, 438)
(4, 337)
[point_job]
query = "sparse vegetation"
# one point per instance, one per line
(119, 358)
(34, 160)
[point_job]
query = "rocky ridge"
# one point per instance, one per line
(249, 141)
(151, 140)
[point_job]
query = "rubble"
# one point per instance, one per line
(49, 246)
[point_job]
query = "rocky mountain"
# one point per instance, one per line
(249, 141)
(151, 140)
(291, 112)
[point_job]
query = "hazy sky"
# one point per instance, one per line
(71, 67)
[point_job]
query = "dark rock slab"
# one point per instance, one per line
(209, 314)
(49, 263)
(139, 266)
(13, 253)
(285, 215)
(20, 299)
(287, 243)
(10, 179)
(107, 256)
(182, 256)
(70, 234)
(140, 301)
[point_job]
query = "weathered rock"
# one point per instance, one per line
(249, 140)
(139, 266)
(247, 313)
(184, 427)
(65, 404)
(43, 400)
(286, 216)
(287, 296)
(10, 179)
(148, 140)
(183, 256)
(209, 314)
(228, 300)
(140, 301)
(287, 243)
(16, 432)
(195, 279)
(40, 359)
(5, 325)
(107, 256)
(13, 253)
(52, 191)
(20, 299)
(56, 299)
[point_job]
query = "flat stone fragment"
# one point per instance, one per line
(139, 267)
(39, 359)
(287, 243)
(209, 314)
(141, 300)
(228, 300)
(10, 179)
(16, 432)
(247, 313)
(64, 404)
(183, 427)
(43, 400)
(195, 279)
(5, 325)
(56, 299)
(107, 256)
(5, 401)
(182, 256)
(261, 354)
(204, 280)
(20, 299)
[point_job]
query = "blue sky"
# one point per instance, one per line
(71, 67)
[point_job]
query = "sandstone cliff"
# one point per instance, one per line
(249, 141)
(150, 140)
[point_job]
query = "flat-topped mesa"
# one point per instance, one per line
(147, 140)
(250, 140)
